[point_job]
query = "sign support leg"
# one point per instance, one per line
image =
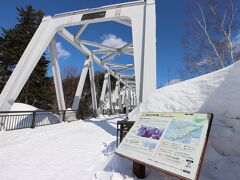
(138, 170)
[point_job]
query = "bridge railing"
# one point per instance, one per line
(12, 120)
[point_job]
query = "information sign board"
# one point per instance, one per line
(172, 142)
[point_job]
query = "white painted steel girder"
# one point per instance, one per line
(57, 75)
(93, 88)
(110, 93)
(104, 87)
(116, 93)
(82, 79)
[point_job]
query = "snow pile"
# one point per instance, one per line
(23, 107)
(218, 93)
(24, 119)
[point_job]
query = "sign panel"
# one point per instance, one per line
(171, 142)
(95, 15)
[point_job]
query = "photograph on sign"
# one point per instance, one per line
(172, 142)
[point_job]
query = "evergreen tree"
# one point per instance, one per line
(13, 42)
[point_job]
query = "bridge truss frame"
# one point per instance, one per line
(139, 15)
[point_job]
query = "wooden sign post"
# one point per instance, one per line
(138, 170)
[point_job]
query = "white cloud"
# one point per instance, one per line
(203, 62)
(62, 53)
(113, 41)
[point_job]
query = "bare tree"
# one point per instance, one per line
(212, 41)
(70, 78)
(70, 71)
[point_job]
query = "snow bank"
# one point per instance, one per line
(18, 120)
(218, 93)
(23, 107)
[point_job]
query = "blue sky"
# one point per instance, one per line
(170, 29)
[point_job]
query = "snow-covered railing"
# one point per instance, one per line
(11, 120)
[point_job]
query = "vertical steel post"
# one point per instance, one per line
(93, 89)
(57, 75)
(82, 79)
(104, 87)
(127, 101)
(109, 94)
(116, 94)
(144, 42)
(119, 100)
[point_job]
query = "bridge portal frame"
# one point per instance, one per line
(140, 15)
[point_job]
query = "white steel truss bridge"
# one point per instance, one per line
(138, 15)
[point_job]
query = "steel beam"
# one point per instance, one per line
(120, 101)
(117, 87)
(94, 44)
(27, 63)
(144, 42)
(123, 95)
(127, 101)
(102, 51)
(82, 79)
(122, 50)
(70, 38)
(109, 94)
(57, 75)
(104, 87)
(124, 22)
(93, 89)
(81, 30)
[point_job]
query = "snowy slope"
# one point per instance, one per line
(218, 93)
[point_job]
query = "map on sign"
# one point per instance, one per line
(173, 142)
(184, 132)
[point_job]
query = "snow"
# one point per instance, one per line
(76, 150)
(85, 149)
(63, 151)
(218, 93)
(25, 119)
(23, 107)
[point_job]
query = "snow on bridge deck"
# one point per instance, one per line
(76, 150)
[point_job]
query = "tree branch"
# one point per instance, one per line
(204, 28)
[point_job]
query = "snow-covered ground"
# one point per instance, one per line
(76, 150)
(85, 149)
